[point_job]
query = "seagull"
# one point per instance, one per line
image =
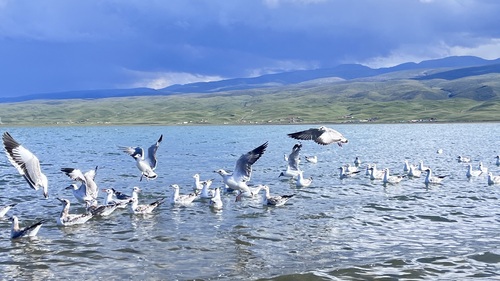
(376, 174)
(26, 163)
(391, 179)
(439, 151)
(498, 160)
(463, 159)
(184, 199)
(243, 170)
(88, 189)
(482, 168)
(368, 170)
(216, 202)
(100, 210)
(28, 231)
(321, 135)
(421, 166)
(357, 161)
(67, 219)
(206, 192)
(303, 182)
(292, 168)
(120, 195)
(198, 185)
(429, 179)
(414, 172)
(312, 159)
(406, 166)
(109, 200)
(145, 209)
(268, 200)
(471, 172)
(344, 172)
(493, 179)
(145, 165)
(5, 209)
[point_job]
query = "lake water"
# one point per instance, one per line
(350, 229)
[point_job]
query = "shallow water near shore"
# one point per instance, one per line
(337, 229)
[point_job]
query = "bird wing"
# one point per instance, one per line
(26, 163)
(29, 229)
(310, 134)
(132, 151)
(74, 174)
(243, 168)
(152, 153)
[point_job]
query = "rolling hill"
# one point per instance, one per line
(455, 89)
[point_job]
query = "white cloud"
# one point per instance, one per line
(488, 50)
(159, 80)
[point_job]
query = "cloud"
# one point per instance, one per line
(55, 45)
(159, 80)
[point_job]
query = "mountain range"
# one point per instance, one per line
(448, 68)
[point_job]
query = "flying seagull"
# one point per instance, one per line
(26, 163)
(146, 165)
(242, 171)
(321, 135)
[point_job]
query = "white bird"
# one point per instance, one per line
(421, 166)
(344, 172)
(28, 231)
(26, 163)
(110, 200)
(498, 160)
(145, 209)
(312, 159)
(429, 179)
(351, 169)
(439, 151)
(206, 192)
(122, 196)
(253, 191)
(463, 159)
(493, 179)
(376, 174)
(88, 189)
(414, 172)
(357, 161)
(5, 209)
(391, 179)
(198, 184)
(303, 182)
(472, 173)
(368, 170)
(243, 170)
(321, 135)
(406, 166)
(146, 165)
(216, 202)
(292, 167)
(482, 168)
(181, 199)
(67, 219)
(100, 210)
(268, 200)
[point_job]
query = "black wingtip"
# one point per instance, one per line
(160, 139)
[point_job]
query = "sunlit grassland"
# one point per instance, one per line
(474, 100)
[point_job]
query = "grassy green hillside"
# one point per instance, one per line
(474, 98)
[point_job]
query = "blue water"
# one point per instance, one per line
(350, 229)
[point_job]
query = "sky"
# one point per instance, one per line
(73, 45)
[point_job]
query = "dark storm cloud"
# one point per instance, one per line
(57, 45)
